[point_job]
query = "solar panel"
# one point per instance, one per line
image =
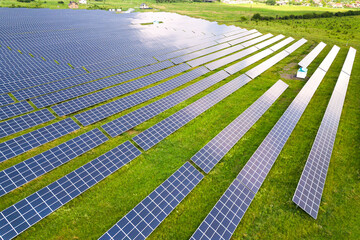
(226, 214)
(161, 130)
(248, 61)
(257, 40)
(326, 63)
(28, 141)
(56, 97)
(234, 57)
(233, 37)
(208, 156)
(143, 219)
(281, 44)
(25, 213)
(349, 61)
(305, 62)
(270, 41)
(229, 210)
(312, 181)
(200, 53)
(243, 39)
(15, 109)
(101, 112)
(101, 96)
(24, 172)
(25, 122)
(130, 120)
(235, 32)
(5, 99)
(296, 45)
(256, 71)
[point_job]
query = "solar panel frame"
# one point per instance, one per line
(25, 213)
(24, 122)
(36, 138)
(209, 155)
(306, 61)
(145, 217)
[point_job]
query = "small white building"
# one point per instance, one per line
(82, 1)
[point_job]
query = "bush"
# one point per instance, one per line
(25, 1)
(270, 2)
(256, 17)
(60, 2)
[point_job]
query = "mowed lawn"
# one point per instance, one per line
(272, 215)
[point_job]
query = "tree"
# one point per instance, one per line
(270, 2)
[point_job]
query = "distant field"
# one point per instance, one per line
(272, 214)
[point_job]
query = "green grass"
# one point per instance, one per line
(272, 215)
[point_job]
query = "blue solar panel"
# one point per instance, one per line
(143, 114)
(140, 222)
(22, 215)
(161, 130)
(228, 211)
(34, 167)
(25, 122)
(207, 157)
(101, 96)
(96, 114)
(5, 99)
(14, 110)
(69, 93)
(312, 181)
(28, 141)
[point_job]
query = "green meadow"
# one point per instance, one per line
(272, 214)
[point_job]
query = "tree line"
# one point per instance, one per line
(257, 16)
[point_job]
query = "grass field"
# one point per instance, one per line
(272, 215)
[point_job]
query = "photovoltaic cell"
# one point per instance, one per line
(101, 96)
(326, 63)
(141, 221)
(47, 100)
(24, 214)
(5, 99)
(257, 40)
(34, 167)
(270, 41)
(101, 112)
(130, 120)
(161, 130)
(229, 210)
(243, 39)
(15, 109)
(312, 181)
(28, 141)
(25, 122)
(207, 157)
(242, 34)
(256, 71)
(312, 55)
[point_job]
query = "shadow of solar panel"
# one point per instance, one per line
(161, 130)
(5, 99)
(37, 206)
(14, 110)
(24, 172)
(95, 98)
(77, 91)
(312, 55)
(66, 83)
(28, 141)
(208, 156)
(25, 122)
(140, 222)
(312, 181)
(101, 112)
(145, 113)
